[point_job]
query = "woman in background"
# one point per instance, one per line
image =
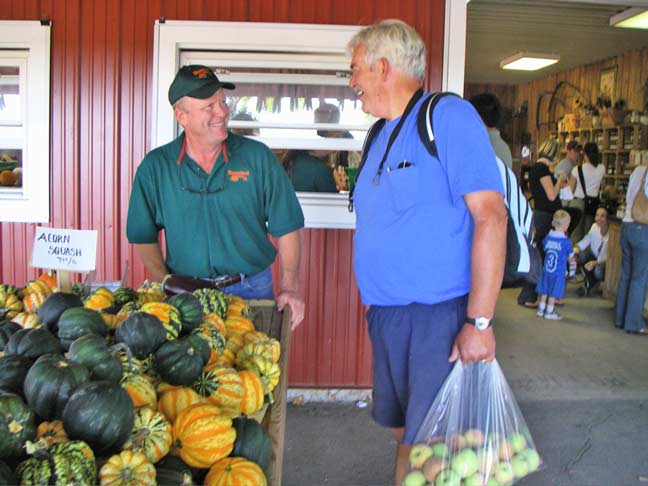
(593, 172)
(633, 284)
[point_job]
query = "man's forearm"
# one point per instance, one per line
(151, 257)
(289, 257)
(487, 262)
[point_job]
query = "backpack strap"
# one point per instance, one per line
(371, 134)
(425, 121)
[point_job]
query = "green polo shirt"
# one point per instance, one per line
(216, 223)
(311, 174)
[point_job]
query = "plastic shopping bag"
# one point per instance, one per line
(474, 433)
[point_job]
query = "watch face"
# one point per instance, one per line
(482, 323)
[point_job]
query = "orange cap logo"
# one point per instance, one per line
(201, 73)
(237, 175)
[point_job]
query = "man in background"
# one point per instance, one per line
(490, 111)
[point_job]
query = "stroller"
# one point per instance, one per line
(590, 282)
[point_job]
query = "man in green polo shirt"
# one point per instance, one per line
(216, 195)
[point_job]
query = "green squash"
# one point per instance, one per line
(61, 464)
(143, 333)
(7, 329)
(50, 382)
(212, 300)
(13, 369)
(252, 442)
(100, 413)
(7, 476)
(32, 343)
(172, 471)
(180, 362)
(123, 295)
(92, 351)
(17, 425)
(190, 308)
(77, 322)
(55, 304)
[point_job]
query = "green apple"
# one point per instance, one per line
(414, 478)
(504, 450)
(440, 449)
(487, 460)
(492, 482)
(447, 477)
(419, 454)
(474, 480)
(474, 437)
(518, 442)
(432, 467)
(532, 458)
(519, 465)
(504, 473)
(465, 463)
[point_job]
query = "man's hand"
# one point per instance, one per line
(473, 345)
(293, 300)
(590, 265)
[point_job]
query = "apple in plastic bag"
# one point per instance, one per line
(456, 442)
(414, 478)
(479, 480)
(448, 477)
(465, 463)
(532, 458)
(504, 473)
(419, 454)
(518, 442)
(504, 450)
(474, 437)
(519, 465)
(487, 460)
(432, 467)
(440, 449)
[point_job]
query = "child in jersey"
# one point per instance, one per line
(558, 250)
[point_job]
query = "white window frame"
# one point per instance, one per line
(29, 42)
(172, 37)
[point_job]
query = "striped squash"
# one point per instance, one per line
(28, 320)
(235, 471)
(212, 300)
(264, 349)
(238, 325)
(223, 387)
(253, 392)
(49, 433)
(234, 343)
(33, 301)
(151, 434)
(237, 306)
(127, 468)
(215, 320)
(175, 400)
(12, 303)
(202, 435)
(266, 369)
(140, 390)
(101, 299)
(168, 315)
(214, 338)
(224, 360)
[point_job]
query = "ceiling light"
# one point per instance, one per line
(529, 61)
(633, 18)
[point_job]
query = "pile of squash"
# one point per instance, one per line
(132, 387)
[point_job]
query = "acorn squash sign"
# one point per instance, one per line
(65, 249)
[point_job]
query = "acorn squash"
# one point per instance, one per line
(54, 306)
(32, 343)
(142, 332)
(77, 322)
(17, 425)
(13, 370)
(180, 362)
(151, 434)
(61, 464)
(92, 351)
(252, 442)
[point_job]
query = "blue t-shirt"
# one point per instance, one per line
(413, 229)
(557, 249)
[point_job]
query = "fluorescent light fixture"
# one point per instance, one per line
(633, 18)
(529, 61)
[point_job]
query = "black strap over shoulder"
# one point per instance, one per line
(425, 121)
(582, 181)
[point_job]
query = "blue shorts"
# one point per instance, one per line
(411, 345)
(552, 284)
(257, 286)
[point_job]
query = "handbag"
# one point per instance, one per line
(639, 210)
(591, 203)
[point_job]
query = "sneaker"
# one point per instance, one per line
(554, 316)
(540, 313)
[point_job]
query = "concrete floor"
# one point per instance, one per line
(581, 384)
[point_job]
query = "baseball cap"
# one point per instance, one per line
(572, 145)
(195, 81)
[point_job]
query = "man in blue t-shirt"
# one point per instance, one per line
(429, 246)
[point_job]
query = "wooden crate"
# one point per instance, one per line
(275, 324)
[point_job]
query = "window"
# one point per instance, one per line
(24, 121)
(293, 96)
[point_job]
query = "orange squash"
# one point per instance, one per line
(237, 307)
(214, 338)
(33, 301)
(101, 299)
(140, 390)
(28, 320)
(49, 278)
(253, 392)
(151, 434)
(234, 343)
(202, 435)
(238, 325)
(214, 319)
(235, 471)
(49, 433)
(110, 320)
(223, 387)
(127, 468)
(224, 360)
(265, 368)
(36, 286)
(175, 400)
(264, 349)
(169, 317)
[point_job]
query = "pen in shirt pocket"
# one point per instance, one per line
(404, 164)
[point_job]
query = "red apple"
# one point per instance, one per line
(456, 442)
(432, 467)
(474, 437)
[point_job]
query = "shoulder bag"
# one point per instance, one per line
(639, 211)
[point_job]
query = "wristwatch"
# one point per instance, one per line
(480, 323)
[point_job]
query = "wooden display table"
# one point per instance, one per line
(275, 324)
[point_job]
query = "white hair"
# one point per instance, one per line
(395, 41)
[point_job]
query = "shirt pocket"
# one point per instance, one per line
(404, 186)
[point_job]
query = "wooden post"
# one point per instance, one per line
(64, 280)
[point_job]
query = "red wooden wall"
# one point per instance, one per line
(101, 89)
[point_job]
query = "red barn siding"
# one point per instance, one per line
(101, 89)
